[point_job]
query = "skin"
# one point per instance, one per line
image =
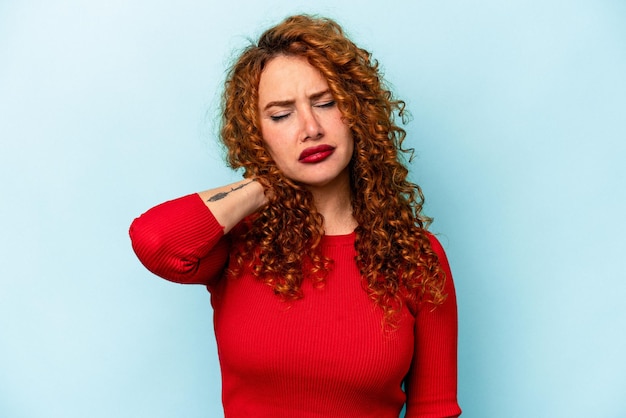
(298, 114)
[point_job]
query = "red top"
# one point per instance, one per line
(325, 355)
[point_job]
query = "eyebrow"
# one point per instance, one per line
(284, 103)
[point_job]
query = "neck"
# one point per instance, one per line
(334, 203)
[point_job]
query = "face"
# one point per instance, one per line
(301, 124)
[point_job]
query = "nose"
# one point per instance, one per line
(312, 129)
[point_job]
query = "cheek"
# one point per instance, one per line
(275, 151)
(273, 134)
(269, 139)
(273, 147)
(349, 138)
(278, 140)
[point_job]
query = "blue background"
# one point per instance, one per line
(519, 122)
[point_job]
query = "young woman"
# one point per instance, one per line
(330, 297)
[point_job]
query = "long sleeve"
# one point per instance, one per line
(181, 241)
(431, 385)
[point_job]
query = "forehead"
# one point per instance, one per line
(285, 77)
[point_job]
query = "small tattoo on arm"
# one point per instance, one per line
(221, 195)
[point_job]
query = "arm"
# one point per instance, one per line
(231, 203)
(183, 240)
(431, 385)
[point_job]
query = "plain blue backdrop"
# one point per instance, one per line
(519, 123)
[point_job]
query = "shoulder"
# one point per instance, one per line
(436, 246)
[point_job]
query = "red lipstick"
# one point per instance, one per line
(316, 154)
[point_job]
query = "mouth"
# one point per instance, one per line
(316, 154)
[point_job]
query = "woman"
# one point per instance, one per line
(330, 297)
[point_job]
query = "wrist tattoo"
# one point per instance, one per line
(221, 195)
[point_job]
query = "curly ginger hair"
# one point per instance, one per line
(394, 254)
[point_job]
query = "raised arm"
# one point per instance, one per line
(233, 202)
(183, 240)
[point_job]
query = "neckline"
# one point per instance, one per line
(342, 239)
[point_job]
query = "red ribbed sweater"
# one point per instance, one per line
(325, 355)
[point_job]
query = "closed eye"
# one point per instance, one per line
(277, 118)
(327, 104)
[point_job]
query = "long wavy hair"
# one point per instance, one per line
(394, 254)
